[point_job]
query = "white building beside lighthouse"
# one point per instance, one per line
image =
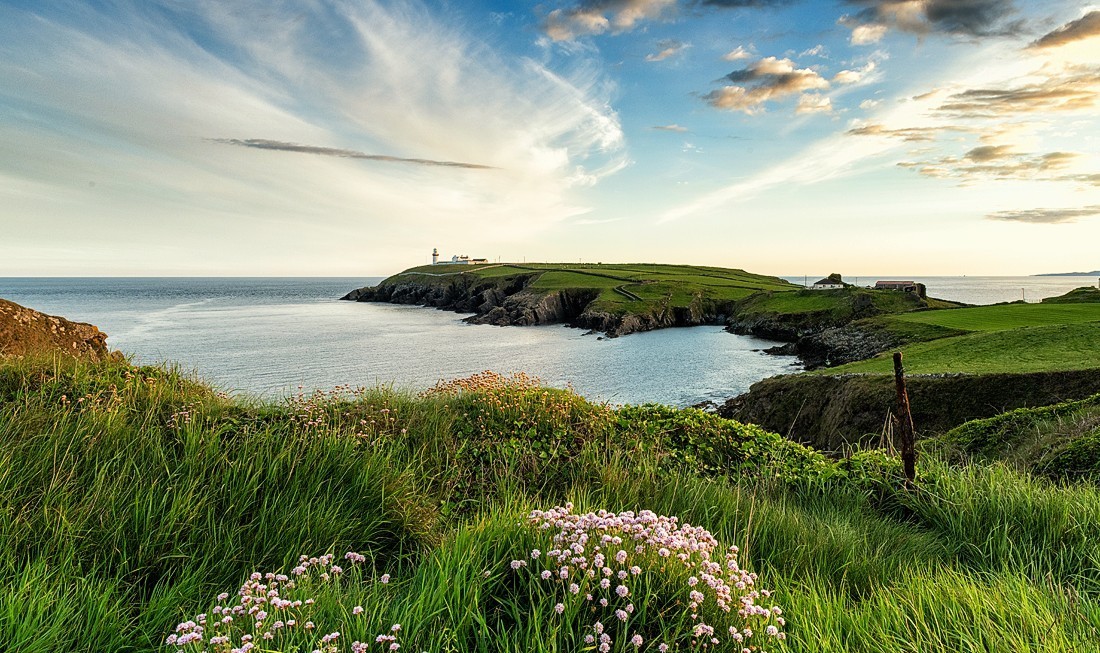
(456, 259)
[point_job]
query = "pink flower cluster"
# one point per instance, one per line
(266, 609)
(599, 558)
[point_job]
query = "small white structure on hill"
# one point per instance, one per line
(457, 260)
(831, 282)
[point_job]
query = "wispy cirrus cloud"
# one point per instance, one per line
(282, 146)
(666, 49)
(1085, 27)
(406, 83)
(670, 128)
(908, 134)
(1072, 88)
(1046, 216)
(995, 162)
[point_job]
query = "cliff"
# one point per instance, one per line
(512, 300)
(831, 412)
(24, 331)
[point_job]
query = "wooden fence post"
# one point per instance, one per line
(905, 423)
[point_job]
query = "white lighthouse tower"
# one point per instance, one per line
(435, 256)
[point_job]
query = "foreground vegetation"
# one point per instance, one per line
(1060, 441)
(134, 499)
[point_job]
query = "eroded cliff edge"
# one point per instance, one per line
(24, 331)
(510, 301)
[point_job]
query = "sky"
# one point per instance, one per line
(349, 138)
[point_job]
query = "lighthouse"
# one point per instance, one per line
(435, 256)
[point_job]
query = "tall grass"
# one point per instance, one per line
(131, 497)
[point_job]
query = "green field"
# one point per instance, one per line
(130, 498)
(1006, 316)
(1024, 349)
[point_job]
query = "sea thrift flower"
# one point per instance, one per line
(605, 546)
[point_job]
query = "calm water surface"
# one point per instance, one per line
(268, 336)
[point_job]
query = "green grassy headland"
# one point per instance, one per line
(623, 288)
(131, 497)
(1058, 334)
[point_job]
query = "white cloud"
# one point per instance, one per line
(132, 111)
(762, 81)
(737, 54)
(854, 76)
(867, 34)
(814, 103)
(601, 16)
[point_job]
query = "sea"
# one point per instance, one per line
(273, 337)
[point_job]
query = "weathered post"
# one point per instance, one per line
(905, 423)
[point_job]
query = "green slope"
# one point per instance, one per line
(131, 497)
(623, 288)
(1023, 349)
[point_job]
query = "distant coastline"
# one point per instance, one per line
(1094, 273)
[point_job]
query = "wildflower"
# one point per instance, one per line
(636, 640)
(357, 610)
(559, 608)
(385, 579)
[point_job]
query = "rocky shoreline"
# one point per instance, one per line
(819, 339)
(509, 302)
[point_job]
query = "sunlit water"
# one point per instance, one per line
(268, 336)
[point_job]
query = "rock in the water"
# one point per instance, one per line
(24, 331)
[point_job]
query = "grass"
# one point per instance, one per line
(1024, 349)
(1005, 316)
(662, 288)
(1061, 441)
(130, 497)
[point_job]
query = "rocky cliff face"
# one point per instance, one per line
(832, 412)
(510, 302)
(24, 331)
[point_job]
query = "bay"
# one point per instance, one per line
(270, 336)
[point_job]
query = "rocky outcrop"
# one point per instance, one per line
(527, 308)
(825, 338)
(509, 301)
(839, 345)
(832, 412)
(24, 332)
